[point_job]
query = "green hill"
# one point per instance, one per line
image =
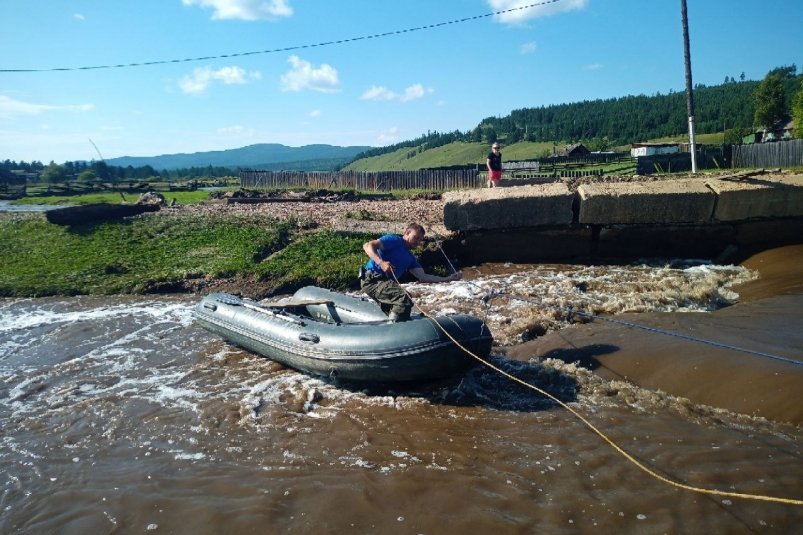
(455, 153)
(460, 153)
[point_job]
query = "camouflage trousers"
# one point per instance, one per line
(390, 296)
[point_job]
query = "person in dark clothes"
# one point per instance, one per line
(494, 164)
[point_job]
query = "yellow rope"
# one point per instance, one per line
(602, 435)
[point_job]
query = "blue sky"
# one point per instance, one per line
(364, 92)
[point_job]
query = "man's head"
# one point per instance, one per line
(413, 235)
(495, 146)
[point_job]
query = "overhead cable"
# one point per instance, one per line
(286, 48)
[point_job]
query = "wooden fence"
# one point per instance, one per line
(775, 154)
(12, 185)
(425, 179)
(526, 165)
(555, 167)
(708, 157)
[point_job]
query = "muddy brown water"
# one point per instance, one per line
(120, 415)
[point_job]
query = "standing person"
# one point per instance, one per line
(494, 164)
(390, 257)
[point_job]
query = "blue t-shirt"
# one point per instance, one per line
(395, 251)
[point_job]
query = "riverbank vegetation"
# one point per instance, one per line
(159, 253)
(111, 196)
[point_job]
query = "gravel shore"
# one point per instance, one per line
(372, 216)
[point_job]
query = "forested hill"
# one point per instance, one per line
(633, 118)
(604, 123)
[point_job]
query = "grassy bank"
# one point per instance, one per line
(156, 253)
(112, 197)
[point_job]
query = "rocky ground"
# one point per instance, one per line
(356, 214)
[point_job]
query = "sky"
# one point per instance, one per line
(201, 75)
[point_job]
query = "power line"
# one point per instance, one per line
(287, 48)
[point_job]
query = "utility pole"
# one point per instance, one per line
(689, 95)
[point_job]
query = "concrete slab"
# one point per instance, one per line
(739, 199)
(646, 203)
(516, 207)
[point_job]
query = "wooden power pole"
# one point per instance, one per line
(689, 95)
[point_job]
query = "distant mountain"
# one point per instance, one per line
(261, 156)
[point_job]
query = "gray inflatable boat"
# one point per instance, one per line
(331, 334)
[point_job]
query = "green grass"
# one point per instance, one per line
(130, 256)
(325, 258)
(161, 252)
(460, 153)
(113, 197)
(457, 153)
(715, 138)
(527, 150)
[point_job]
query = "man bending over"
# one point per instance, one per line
(390, 257)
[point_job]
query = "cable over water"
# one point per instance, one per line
(592, 427)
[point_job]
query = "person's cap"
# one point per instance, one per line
(495, 145)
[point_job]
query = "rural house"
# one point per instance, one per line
(780, 131)
(573, 151)
(651, 149)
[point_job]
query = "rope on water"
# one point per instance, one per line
(592, 427)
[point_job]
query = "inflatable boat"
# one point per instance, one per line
(326, 333)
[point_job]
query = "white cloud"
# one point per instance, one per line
(520, 16)
(78, 16)
(528, 48)
(388, 136)
(315, 113)
(244, 9)
(378, 93)
(202, 77)
(414, 92)
(303, 75)
(594, 66)
(10, 107)
(237, 131)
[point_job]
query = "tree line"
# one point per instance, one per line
(93, 171)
